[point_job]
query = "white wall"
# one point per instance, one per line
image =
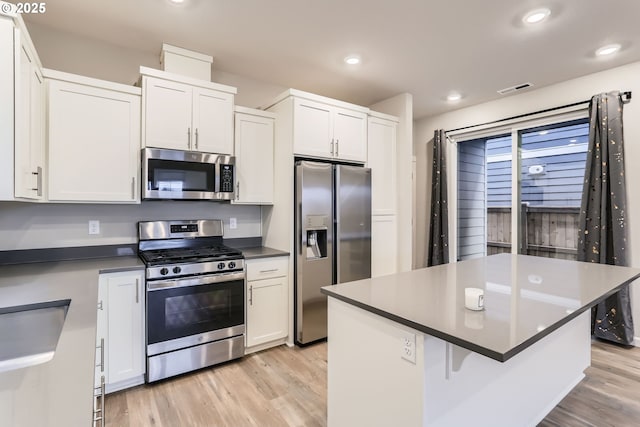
(101, 60)
(621, 78)
(33, 225)
(401, 106)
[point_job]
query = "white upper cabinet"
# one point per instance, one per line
(29, 110)
(381, 159)
(254, 135)
(328, 129)
(212, 121)
(350, 135)
(312, 129)
(22, 160)
(186, 114)
(167, 114)
(93, 140)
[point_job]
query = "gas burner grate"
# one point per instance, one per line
(166, 256)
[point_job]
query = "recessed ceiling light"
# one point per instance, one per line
(352, 59)
(608, 49)
(454, 97)
(176, 1)
(536, 16)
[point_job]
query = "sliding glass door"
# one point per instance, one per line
(536, 205)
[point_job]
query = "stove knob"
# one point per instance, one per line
(177, 270)
(232, 264)
(164, 271)
(220, 265)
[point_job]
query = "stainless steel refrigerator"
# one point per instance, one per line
(333, 238)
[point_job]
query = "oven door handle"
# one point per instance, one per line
(195, 281)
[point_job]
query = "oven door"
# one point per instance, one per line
(195, 310)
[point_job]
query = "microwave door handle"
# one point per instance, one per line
(216, 180)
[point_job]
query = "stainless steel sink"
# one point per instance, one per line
(29, 333)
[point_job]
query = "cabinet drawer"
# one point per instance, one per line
(266, 268)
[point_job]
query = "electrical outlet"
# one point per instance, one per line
(233, 223)
(94, 226)
(408, 347)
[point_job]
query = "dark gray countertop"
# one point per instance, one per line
(525, 298)
(58, 392)
(262, 252)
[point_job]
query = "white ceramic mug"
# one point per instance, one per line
(474, 298)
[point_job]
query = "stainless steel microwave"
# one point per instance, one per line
(186, 175)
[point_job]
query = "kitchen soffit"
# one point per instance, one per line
(424, 48)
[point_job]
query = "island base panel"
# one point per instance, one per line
(369, 383)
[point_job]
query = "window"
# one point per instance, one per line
(546, 192)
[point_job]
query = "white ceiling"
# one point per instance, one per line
(424, 47)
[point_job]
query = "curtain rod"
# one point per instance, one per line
(625, 96)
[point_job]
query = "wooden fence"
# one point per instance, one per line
(550, 232)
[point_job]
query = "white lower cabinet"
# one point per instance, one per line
(120, 330)
(267, 307)
(384, 245)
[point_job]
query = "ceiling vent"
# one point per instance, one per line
(514, 88)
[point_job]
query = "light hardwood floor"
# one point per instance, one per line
(288, 387)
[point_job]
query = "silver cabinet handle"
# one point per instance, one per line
(137, 291)
(332, 146)
(38, 188)
(102, 393)
(133, 188)
(101, 354)
(271, 270)
(189, 138)
(337, 148)
(251, 295)
(196, 138)
(238, 190)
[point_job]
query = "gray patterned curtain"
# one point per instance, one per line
(438, 252)
(602, 225)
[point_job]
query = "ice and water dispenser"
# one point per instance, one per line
(316, 234)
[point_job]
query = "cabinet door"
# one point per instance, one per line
(29, 136)
(212, 121)
(350, 135)
(384, 245)
(94, 144)
(312, 133)
(125, 342)
(254, 159)
(381, 158)
(167, 117)
(266, 310)
(101, 333)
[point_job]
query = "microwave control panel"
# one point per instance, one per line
(226, 178)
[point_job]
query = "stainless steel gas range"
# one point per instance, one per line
(195, 296)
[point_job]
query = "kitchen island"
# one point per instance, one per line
(403, 349)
